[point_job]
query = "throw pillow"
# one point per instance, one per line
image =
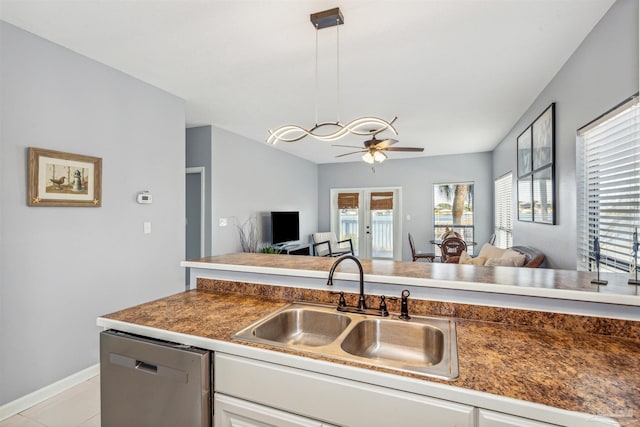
(490, 251)
(465, 258)
(502, 262)
(518, 258)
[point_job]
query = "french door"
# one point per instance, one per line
(371, 218)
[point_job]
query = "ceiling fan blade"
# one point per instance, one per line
(414, 149)
(385, 143)
(353, 152)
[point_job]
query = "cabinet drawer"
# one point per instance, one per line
(232, 412)
(331, 399)
(497, 419)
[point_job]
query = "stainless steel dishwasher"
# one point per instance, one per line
(145, 382)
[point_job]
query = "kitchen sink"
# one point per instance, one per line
(422, 345)
(412, 344)
(302, 327)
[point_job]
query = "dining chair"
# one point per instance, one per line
(419, 255)
(452, 246)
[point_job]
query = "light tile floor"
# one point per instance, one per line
(78, 406)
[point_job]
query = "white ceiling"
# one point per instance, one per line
(457, 73)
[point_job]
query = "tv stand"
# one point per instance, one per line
(296, 250)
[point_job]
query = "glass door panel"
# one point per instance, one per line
(348, 226)
(382, 233)
(371, 219)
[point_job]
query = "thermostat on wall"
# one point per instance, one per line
(145, 197)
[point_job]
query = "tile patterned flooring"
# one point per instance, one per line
(78, 406)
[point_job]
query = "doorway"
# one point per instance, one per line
(195, 213)
(371, 218)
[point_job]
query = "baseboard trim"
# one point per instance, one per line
(20, 404)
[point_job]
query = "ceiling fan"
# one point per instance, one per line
(374, 149)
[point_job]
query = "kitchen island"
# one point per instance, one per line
(548, 370)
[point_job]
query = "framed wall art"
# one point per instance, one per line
(536, 169)
(524, 153)
(63, 179)
(525, 209)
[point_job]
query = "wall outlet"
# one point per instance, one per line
(222, 222)
(146, 226)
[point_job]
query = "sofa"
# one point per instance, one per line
(533, 258)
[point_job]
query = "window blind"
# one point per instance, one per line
(608, 190)
(348, 200)
(503, 198)
(382, 201)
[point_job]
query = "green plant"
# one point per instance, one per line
(270, 250)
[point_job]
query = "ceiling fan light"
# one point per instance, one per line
(379, 156)
(367, 157)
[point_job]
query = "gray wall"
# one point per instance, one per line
(198, 153)
(416, 177)
(252, 178)
(600, 74)
(63, 267)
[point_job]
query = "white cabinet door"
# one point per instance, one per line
(336, 400)
(231, 412)
(497, 419)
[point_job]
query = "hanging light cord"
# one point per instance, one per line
(337, 71)
(317, 96)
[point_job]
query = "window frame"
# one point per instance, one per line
(608, 187)
(455, 227)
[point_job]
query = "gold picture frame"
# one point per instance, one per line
(57, 178)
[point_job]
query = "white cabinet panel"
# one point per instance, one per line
(331, 399)
(230, 412)
(497, 419)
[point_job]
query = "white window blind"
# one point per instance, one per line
(503, 195)
(608, 178)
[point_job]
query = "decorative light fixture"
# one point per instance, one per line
(364, 126)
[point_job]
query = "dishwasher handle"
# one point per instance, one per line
(147, 367)
(150, 368)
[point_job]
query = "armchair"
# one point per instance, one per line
(326, 244)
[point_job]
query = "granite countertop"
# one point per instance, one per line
(577, 372)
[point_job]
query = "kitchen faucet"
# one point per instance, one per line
(362, 306)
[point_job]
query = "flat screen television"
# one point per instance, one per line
(285, 227)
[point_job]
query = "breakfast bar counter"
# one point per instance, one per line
(568, 285)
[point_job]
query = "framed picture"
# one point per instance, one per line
(524, 153)
(543, 196)
(64, 179)
(543, 135)
(525, 209)
(536, 169)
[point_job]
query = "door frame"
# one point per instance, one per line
(200, 170)
(333, 220)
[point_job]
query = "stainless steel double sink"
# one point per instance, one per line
(422, 345)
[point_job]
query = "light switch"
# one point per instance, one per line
(408, 217)
(147, 228)
(222, 222)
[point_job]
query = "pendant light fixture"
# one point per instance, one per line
(332, 131)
